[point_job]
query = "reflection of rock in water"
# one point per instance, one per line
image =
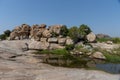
(112, 68)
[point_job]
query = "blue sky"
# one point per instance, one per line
(102, 16)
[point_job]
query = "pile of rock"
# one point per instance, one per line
(35, 32)
(50, 43)
(42, 37)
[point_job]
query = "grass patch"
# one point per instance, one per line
(62, 57)
(112, 58)
(56, 52)
(116, 40)
(103, 39)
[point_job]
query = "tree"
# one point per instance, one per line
(84, 30)
(64, 31)
(2, 36)
(74, 34)
(7, 33)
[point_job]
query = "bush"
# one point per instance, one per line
(56, 52)
(74, 34)
(7, 33)
(84, 30)
(64, 31)
(78, 47)
(54, 34)
(112, 58)
(103, 39)
(69, 47)
(116, 40)
(2, 36)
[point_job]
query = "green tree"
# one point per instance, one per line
(2, 36)
(74, 34)
(64, 31)
(7, 33)
(84, 30)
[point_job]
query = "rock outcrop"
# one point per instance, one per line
(69, 41)
(39, 45)
(103, 36)
(53, 40)
(62, 41)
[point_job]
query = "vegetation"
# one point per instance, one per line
(112, 58)
(80, 33)
(64, 31)
(54, 34)
(103, 39)
(5, 35)
(84, 30)
(116, 40)
(69, 47)
(63, 58)
(56, 52)
(74, 34)
(2, 36)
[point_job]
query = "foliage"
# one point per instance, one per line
(7, 33)
(112, 58)
(79, 33)
(84, 30)
(2, 36)
(64, 31)
(78, 47)
(56, 52)
(103, 39)
(54, 34)
(62, 55)
(69, 47)
(74, 34)
(116, 40)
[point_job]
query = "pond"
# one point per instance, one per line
(111, 68)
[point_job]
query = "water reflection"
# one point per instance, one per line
(111, 68)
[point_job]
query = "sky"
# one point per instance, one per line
(102, 16)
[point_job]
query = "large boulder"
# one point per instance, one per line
(55, 46)
(62, 41)
(15, 46)
(43, 39)
(91, 37)
(39, 45)
(43, 26)
(14, 35)
(25, 27)
(46, 34)
(69, 41)
(53, 40)
(98, 55)
(55, 29)
(17, 28)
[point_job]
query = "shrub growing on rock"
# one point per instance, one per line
(84, 30)
(64, 31)
(74, 34)
(7, 33)
(69, 47)
(2, 36)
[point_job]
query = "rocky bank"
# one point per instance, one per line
(18, 64)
